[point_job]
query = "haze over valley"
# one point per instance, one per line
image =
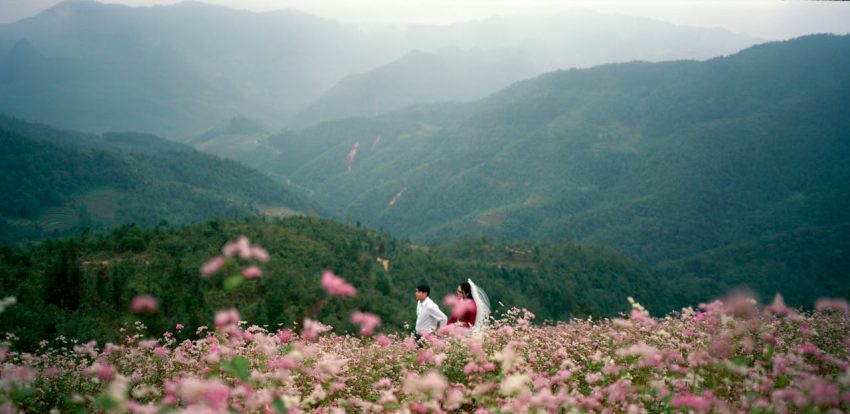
(585, 153)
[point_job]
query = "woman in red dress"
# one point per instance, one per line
(465, 310)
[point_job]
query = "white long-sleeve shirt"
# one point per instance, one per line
(429, 317)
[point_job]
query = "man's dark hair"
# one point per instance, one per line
(424, 288)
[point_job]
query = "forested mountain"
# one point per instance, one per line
(82, 287)
(180, 69)
(56, 182)
(661, 161)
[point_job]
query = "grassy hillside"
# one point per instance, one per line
(82, 287)
(58, 182)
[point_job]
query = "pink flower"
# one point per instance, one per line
(179, 326)
(382, 340)
(285, 362)
(462, 307)
(160, 351)
(252, 272)
(432, 383)
(284, 336)
(834, 305)
(259, 253)
(312, 329)
(809, 348)
(242, 247)
(213, 266)
(450, 300)
(105, 372)
(336, 285)
(143, 304)
(367, 322)
(227, 317)
(592, 378)
(689, 400)
(216, 396)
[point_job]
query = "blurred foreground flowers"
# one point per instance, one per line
(727, 356)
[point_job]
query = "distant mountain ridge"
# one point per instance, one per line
(661, 161)
(58, 182)
(180, 69)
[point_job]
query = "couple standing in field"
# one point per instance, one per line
(470, 310)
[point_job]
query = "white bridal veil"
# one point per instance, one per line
(482, 303)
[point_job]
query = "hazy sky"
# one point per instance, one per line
(769, 19)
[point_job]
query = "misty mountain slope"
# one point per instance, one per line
(416, 78)
(57, 183)
(216, 63)
(181, 69)
(659, 161)
(136, 88)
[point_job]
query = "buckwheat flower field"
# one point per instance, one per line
(726, 356)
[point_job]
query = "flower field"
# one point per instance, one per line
(726, 356)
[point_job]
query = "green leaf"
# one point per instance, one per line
(105, 402)
(280, 406)
(19, 394)
(238, 367)
(233, 282)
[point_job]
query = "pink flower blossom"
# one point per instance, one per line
(367, 322)
(104, 371)
(227, 317)
(144, 304)
(284, 336)
(179, 326)
(694, 402)
(336, 285)
(241, 247)
(432, 383)
(450, 300)
(832, 305)
(252, 272)
(259, 253)
(213, 266)
(312, 329)
(382, 340)
(778, 306)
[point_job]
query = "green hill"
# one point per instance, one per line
(699, 168)
(82, 287)
(657, 160)
(57, 182)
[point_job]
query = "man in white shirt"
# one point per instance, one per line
(429, 317)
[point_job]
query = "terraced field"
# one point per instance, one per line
(102, 202)
(58, 218)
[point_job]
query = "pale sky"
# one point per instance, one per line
(768, 19)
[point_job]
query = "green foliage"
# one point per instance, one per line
(82, 288)
(59, 182)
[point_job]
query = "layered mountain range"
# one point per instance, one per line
(178, 70)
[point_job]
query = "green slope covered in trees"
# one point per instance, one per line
(82, 287)
(56, 182)
(664, 162)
